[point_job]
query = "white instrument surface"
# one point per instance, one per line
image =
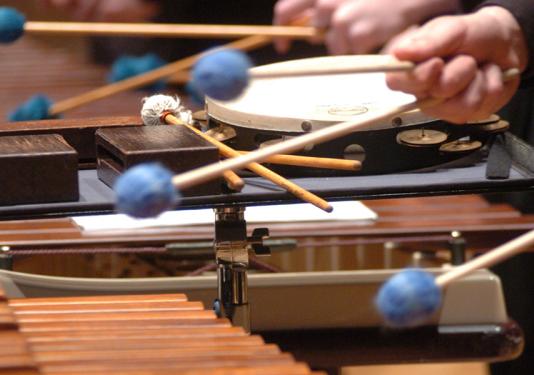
(283, 301)
(284, 103)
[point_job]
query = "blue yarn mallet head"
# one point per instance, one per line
(130, 66)
(11, 24)
(35, 108)
(222, 75)
(409, 298)
(145, 190)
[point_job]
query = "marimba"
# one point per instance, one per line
(25, 74)
(139, 334)
(411, 224)
(317, 282)
(62, 234)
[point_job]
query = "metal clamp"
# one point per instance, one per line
(231, 247)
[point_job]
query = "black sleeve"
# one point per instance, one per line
(469, 5)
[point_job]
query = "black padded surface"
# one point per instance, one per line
(499, 159)
(96, 197)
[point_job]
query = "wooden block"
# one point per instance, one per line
(37, 169)
(176, 147)
(79, 133)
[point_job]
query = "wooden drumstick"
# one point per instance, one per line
(313, 162)
(366, 121)
(260, 170)
(364, 64)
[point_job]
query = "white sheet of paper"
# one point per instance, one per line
(302, 212)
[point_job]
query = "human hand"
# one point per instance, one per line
(460, 61)
(288, 11)
(357, 26)
(107, 10)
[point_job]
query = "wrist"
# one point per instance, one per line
(508, 29)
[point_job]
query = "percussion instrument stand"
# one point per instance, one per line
(231, 247)
(6, 259)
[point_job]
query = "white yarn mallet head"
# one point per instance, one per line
(154, 107)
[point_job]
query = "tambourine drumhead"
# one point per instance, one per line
(285, 103)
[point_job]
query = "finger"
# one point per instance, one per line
(149, 10)
(337, 38)
(46, 4)
(492, 74)
(366, 30)
(286, 11)
(418, 81)
(62, 4)
(336, 43)
(387, 49)
(363, 37)
(324, 9)
(127, 11)
(498, 92)
(456, 77)
(86, 10)
(464, 106)
(440, 37)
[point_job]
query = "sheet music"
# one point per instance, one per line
(302, 212)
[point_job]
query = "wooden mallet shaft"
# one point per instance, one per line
(259, 169)
(147, 78)
(161, 30)
(491, 258)
(313, 162)
(233, 181)
(245, 44)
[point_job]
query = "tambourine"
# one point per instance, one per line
(275, 109)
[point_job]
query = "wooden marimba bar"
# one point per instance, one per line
(132, 334)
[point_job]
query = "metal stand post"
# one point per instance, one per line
(231, 247)
(457, 246)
